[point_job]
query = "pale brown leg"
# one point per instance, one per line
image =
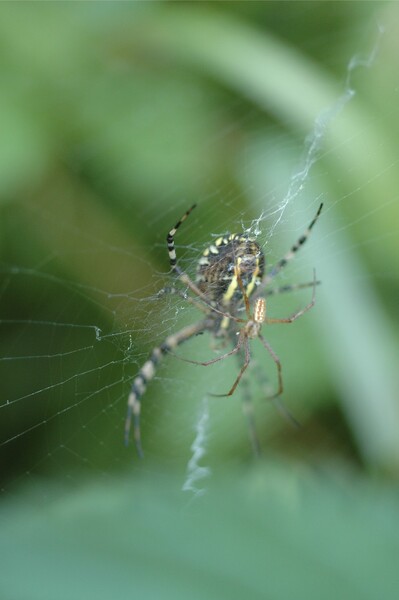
(241, 373)
(299, 313)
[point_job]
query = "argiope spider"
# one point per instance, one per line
(229, 272)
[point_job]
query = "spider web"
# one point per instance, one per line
(84, 257)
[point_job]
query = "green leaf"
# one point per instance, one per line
(275, 532)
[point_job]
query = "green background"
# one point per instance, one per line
(114, 118)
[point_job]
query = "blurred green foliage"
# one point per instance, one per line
(270, 533)
(114, 118)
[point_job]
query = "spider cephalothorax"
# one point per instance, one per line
(230, 273)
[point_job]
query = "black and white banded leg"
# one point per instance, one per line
(284, 289)
(184, 278)
(147, 373)
(170, 240)
(289, 256)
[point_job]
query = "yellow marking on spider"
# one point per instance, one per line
(252, 283)
(203, 261)
(225, 323)
(230, 290)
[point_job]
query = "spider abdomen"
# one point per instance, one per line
(217, 269)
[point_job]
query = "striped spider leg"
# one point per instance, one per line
(284, 261)
(147, 371)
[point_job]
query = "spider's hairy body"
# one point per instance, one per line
(217, 270)
(230, 272)
(217, 276)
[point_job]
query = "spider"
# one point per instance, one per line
(230, 272)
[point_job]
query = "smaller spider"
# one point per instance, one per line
(229, 271)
